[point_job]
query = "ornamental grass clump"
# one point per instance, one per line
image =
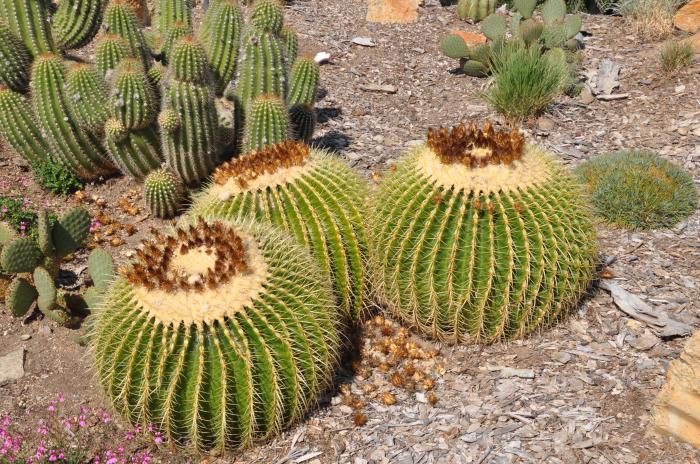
(478, 236)
(676, 55)
(222, 334)
(308, 193)
(638, 190)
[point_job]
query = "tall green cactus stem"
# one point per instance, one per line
(303, 82)
(109, 51)
(120, 19)
(78, 150)
(163, 193)
(189, 138)
(87, 97)
(136, 152)
(308, 193)
(29, 20)
(76, 22)
(266, 123)
(16, 61)
(169, 12)
(222, 41)
(267, 16)
(133, 101)
(177, 31)
(262, 68)
(291, 43)
(475, 10)
(478, 237)
(219, 359)
(302, 120)
(19, 128)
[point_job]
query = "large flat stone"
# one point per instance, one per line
(688, 18)
(12, 366)
(677, 409)
(392, 11)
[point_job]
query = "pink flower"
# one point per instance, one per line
(61, 398)
(67, 424)
(81, 421)
(52, 407)
(105, 418)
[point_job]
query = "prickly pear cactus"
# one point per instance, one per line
(163, 193)
(478, 237)
(223, 334)
(306, 192)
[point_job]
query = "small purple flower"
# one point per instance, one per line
(105, 418)
(61, 398)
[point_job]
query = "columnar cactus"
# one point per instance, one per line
(79, 150)
(16, 61)
(190, 147)
(478, 237)
(87, 97)
(266, 123)
(475, 10)
(29, 21)
(222, 39)
(163, 193)
(221, 334)
(18, 128)
(109, 50)
(120, 19)
(306, 192)
(133, 101)
(76, 22)
(169, 12)
(177, 31)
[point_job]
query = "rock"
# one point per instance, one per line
(645, 341)
(471, 38)
(25, 337)
(364, 41)
(677, 408)
(392, 11)
(545, 124)
(513, 372)
(688, 18)
(379, 88)
(694, 42)
(561, 356)
(586, 95)
(12, 366)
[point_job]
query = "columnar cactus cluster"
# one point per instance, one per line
(478, 237)
(475, 10)
(554, 33)
(221, 333)
(174, 95)
(33, 265)
(163, 193)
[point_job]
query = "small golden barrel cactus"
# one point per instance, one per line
(477, 237)
(221, 334)
(310, 194)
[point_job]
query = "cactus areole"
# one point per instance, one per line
(221, 334)
(478, 236)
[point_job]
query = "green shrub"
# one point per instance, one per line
(676, 55)
(56, 177)
(638, 190)
(16, 212)
(525, 81)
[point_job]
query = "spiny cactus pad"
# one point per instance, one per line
(638, 190)
(20, 296)
(306, 192)
(221, 334)
(477, 237)
(163, 193)
(20, 255)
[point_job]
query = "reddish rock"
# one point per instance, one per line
(677, 409)
(688, 18)
(694, 42)
(471, 38)
(392, 11)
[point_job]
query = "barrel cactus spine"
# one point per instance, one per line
(29, 21)
(307, 193)
(16, 61)
(478, 237)
(266, 123)
(247, 303)
(163, 193)
(19, 128)
(76, 22)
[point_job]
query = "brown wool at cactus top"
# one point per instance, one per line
(475, 147)
(260, 162)
(153, 267)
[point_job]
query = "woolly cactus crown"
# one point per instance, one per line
(477, 236)
(306, 192)
(222, 334)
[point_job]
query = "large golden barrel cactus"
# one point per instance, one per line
(477, 237)
(219, 334)
(307, 192)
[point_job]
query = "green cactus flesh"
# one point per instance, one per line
(163, 193)
(46, 288)
(266, 123)
(137, 151)
(169, 12)
(20, 296)
(43, 233)
(133, 101)
(525, 7)
(70, 231)
(19, 128)
(223, 40)
(177, 31)
(20, 255)
(189, 61)
(87, 97)
(76, 22)
(530, 31)
(101, 269)
(16, 61)
(218, 359)
(110, 49)
(262, 68)
(291, 43)
(267, 17)
(494, 27)
(302, 120)
(120, 19)
(480, 244)
(78, 150)
(303, 82)
(309, 194)
(553, 11)
(475, 10)
(7, 234)
(453, 46)
(29, 20)
(475, 68)
(572, 26)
